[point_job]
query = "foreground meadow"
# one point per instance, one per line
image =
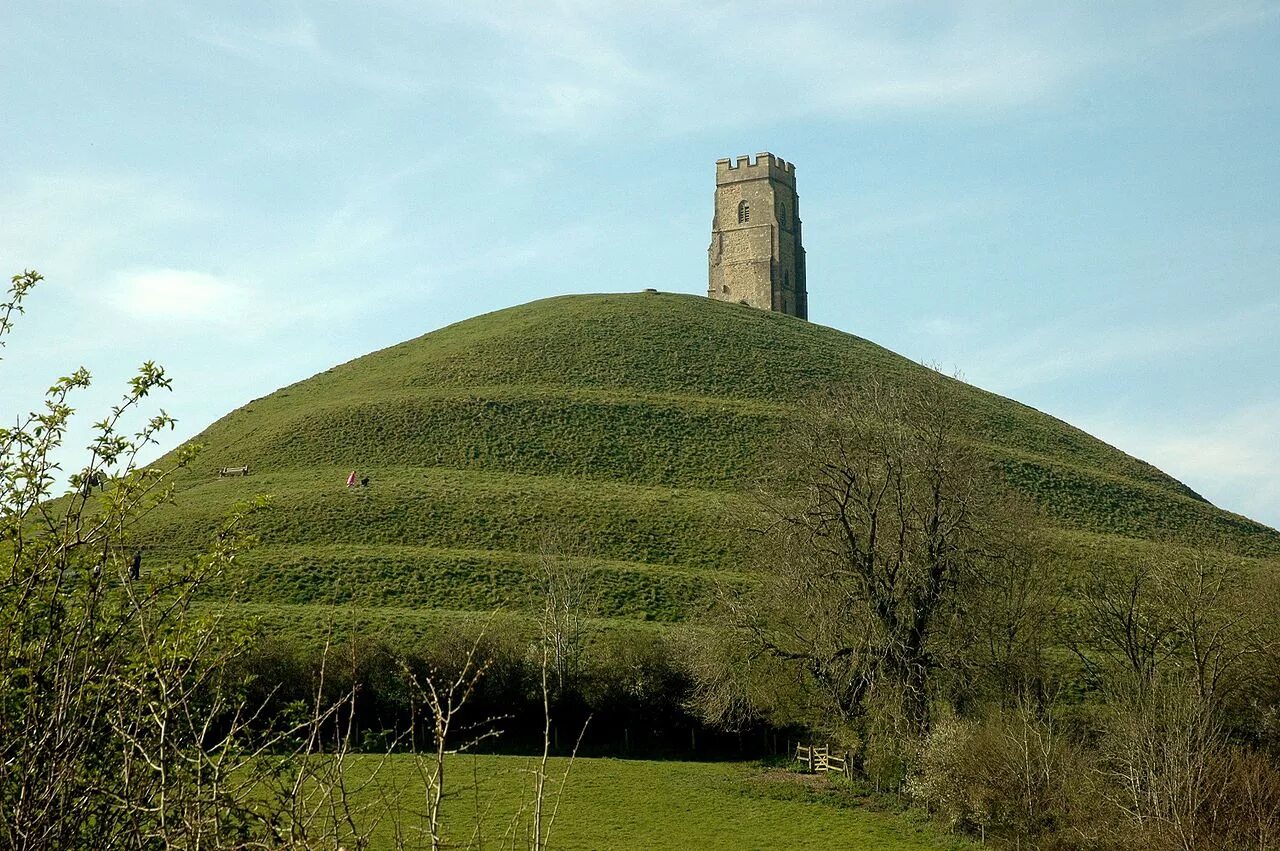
(613, 803)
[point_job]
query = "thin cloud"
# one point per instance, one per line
(943, 327)
(587, 67)
(601, 67)
(549, 245)
(67, 222)
(1081, 346)
(106, 244)
(280, 48)
(181, 295)
(877, 217)
(1231, 459)
(180, 300)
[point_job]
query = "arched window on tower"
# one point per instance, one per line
(744, 212)
(782, 214)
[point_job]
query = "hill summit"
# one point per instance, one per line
(634, 422)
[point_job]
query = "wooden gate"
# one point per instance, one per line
(818, 759)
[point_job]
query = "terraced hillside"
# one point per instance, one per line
(636, 420)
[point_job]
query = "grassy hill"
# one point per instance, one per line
(636, 420)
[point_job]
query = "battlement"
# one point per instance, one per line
(764, 165)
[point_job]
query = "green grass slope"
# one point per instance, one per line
(636, 420)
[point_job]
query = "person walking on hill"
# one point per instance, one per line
(351, 479)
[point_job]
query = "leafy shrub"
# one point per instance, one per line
(1011, 774)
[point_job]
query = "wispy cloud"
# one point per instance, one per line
(68, 223)
(943, 327)
(1086, 344)
(880, 216)
(592, 67)
(540, 247)
(183, 301)
(1231, 458)
(583, 67)
(180, 295)
(1229, 453)
(299, 44)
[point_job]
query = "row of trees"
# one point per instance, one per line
(909, 609)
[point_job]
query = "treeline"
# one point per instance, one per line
(908, 614)
(625, 693)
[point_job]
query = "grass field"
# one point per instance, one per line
(631, 804)
(634, 423)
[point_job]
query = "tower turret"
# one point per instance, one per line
(755, 256)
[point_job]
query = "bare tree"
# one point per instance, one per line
(1173, 643)
(568, 599)
(304, 784)
(1222, 624)
(874, 520)
(442, 697)
(1161, 743)
(1007, 618)
(1194, 616)
(1126, 624)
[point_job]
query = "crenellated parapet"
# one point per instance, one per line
(763, 165)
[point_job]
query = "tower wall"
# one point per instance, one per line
(756, 256)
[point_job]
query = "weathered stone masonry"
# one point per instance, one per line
(755, 256)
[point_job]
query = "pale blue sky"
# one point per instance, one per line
(1076, 205)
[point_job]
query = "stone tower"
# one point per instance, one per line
(755, 256)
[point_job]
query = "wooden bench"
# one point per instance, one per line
(233, 471)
